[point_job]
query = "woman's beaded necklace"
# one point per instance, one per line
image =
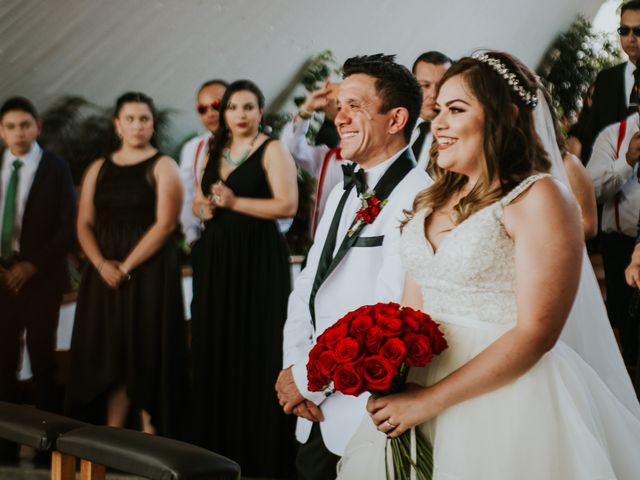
(226, 153)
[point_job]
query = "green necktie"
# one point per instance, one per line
(9, 217)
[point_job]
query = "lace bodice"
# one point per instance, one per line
(472, 273)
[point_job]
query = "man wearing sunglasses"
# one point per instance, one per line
(614, 98)
(195, 150)
(192, 157)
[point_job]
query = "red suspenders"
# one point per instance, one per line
(622, 131)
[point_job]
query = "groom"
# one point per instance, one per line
(379, 103)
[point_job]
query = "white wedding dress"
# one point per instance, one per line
(557, 421)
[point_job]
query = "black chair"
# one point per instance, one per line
(26, 425)
(138, 453)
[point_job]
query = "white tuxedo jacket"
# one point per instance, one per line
(370, 272)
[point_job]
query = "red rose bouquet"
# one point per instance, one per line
(371, 349)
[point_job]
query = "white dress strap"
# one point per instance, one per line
(521, 187)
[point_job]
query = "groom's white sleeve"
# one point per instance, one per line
(298, 334)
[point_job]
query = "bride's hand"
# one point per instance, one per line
(395, 414)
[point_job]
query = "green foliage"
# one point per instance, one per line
(319, 68)
(312, 74)
(572, 63)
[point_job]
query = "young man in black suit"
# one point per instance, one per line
(37, 210)
(613, 96)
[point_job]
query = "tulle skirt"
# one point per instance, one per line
(557, 421)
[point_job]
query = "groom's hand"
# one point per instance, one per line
(288, 394)
(309, 410)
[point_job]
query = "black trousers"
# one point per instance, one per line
(314, 461)
(36, 311)
(616, 256)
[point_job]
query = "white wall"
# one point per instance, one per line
(101, 48)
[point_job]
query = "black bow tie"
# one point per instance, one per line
(351, 177)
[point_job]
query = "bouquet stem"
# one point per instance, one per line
(404, 462)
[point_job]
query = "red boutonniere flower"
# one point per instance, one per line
(371, 206)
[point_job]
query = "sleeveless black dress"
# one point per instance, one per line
(135, 334)
(240, 306)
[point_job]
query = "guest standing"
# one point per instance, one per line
(241, 296)
(37, 204)
(128, 345)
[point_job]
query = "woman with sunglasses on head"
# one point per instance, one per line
(128, 351)
(494, 252)
(240, 300)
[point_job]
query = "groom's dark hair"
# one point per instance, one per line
(395, 85)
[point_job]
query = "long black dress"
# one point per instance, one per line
(239, 310)
(135, 334)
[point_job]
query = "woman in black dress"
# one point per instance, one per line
(240, 302)
(128, 347)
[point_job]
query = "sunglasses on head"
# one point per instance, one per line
(623, 31)
(202, 109)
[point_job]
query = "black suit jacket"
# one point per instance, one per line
(48, 231)
(609, 105)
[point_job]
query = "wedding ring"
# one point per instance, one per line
(390, 424)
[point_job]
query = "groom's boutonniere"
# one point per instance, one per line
(371, 206)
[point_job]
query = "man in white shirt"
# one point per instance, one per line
(379, 103)
(37, 212)
(613, 96)
(192, 160)
(614, 170)
(428, 69)
(195, 151)
(322, 162)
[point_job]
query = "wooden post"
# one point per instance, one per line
(63, 467)
(91, 471)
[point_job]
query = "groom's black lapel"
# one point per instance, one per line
(391, 178)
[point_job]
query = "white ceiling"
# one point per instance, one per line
(101, 48)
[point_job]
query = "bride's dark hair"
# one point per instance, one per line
(511, 147)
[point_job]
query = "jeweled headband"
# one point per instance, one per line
(530, 99)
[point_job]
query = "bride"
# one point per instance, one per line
(494, 251)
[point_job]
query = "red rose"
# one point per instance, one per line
(334, 333)
(375, 210)
(346, 350)
(436, 337)
(387, 310)
(373, 339)
(413, 320)
(390, 326)
(315, 380)
(326, 363)
(418, 350)
(317, 350)
(365, 216)
(360, 325)
(347, 379)
(378, 373)
(394, 351)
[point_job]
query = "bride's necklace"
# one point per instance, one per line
(226, 153)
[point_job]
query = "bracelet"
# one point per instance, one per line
(304, 114)
(127, 275)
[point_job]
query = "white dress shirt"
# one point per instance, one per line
(423, 157)
(191, 163)
(615, 181)
(366, 275)
(628, 81)
(25, 180)
(321, 162)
